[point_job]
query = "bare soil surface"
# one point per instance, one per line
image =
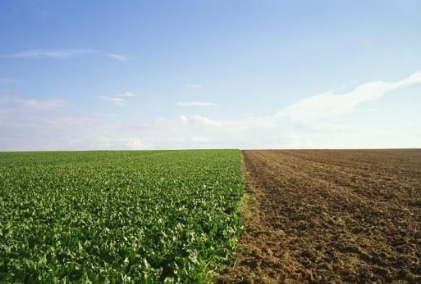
(331, 216)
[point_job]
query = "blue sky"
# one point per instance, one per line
(209, 74)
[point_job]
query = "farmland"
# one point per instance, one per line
(309, 216)
(331, 216)
(118, 217)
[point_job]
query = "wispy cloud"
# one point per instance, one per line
(128, 95)
(195, 104)
(61, 54)
(193, 86)
(23, 126)
(331, 105)
(198, 120)
(32, 104)
(117, 56)
(55, 54)
(118, 99)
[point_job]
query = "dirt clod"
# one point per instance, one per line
(331, 216)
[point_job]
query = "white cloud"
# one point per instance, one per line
(128, 95)
(27, 124)
(61, 54)
(198, 120)
(118, 99)
(331, 105)
(56, 54)
(200, 139)
(195, 104)
(124, 143)
(31, 125)
(32, 104)
(193, 86)
(117, 56)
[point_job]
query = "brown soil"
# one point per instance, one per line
(331, 216)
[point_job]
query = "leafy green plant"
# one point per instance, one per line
(118, 217)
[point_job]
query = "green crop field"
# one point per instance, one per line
(118, 217)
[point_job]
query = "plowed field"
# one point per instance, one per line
(331, 216)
